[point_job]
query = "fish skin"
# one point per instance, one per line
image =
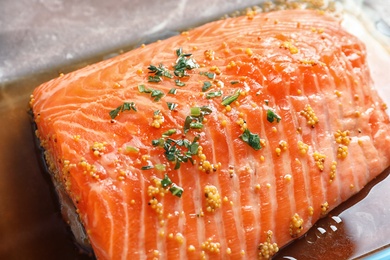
(290, 58)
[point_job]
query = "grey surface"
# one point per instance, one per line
(36, 35)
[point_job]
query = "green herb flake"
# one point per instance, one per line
(176, 190)
(172, 91)
(160, 167)
(160, 71)
(183, 63)
(252, 139)
(166, 181)
(147, 167)
(155, 79)
(179, 83)
(143, 89)
(214, 94)
(174, 151)
(210, 75)
(169, 132)
(272, 116)
(157, 94)
(126, 106)
(230, 99)
(196, 125)
(195, 111)
(233, 82)
(206, 110)
(206, 86)
(171, 106)
(187, 123)
(195, 119)
(131, 149)
(158, 142)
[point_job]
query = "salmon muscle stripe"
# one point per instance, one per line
(227, 141)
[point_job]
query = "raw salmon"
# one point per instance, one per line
(227, 141)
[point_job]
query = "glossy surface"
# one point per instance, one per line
(30, 222)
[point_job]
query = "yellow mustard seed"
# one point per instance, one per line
(283, 145)
(332, 173)
(342, 137)
(302, 147)
(213, 198)
(289, 46)
(319, 160)
(179, 238)
(267, 249)
(342, 152)
(249, 51)
(157, 120)
(296, 225)
(310, 116)
(338, 93)
(231, 64)
(324, 208)
(311, 210)
(210, 246)
(191, 248)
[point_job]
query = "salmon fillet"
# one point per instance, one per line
(227, 141)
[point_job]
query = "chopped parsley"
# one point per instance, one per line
(196, 125)
(154, 93)
(230, 99)
(147, 167)
(124, 107)
(159, 167)
(171, 106)
(234, 82)
(131, 149)
(174, 189)
(272, 116)
(214, 94)
(169, 132)
(210, 75)
(195, 119)
(166, 181)
(252, 139)
(184, 62)
(143, 89)
(160, 71)
(179, 83)
(175, 149)
(206, 86)
(154, 79)
(172, 91)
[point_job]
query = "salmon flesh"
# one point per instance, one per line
(226, 141)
